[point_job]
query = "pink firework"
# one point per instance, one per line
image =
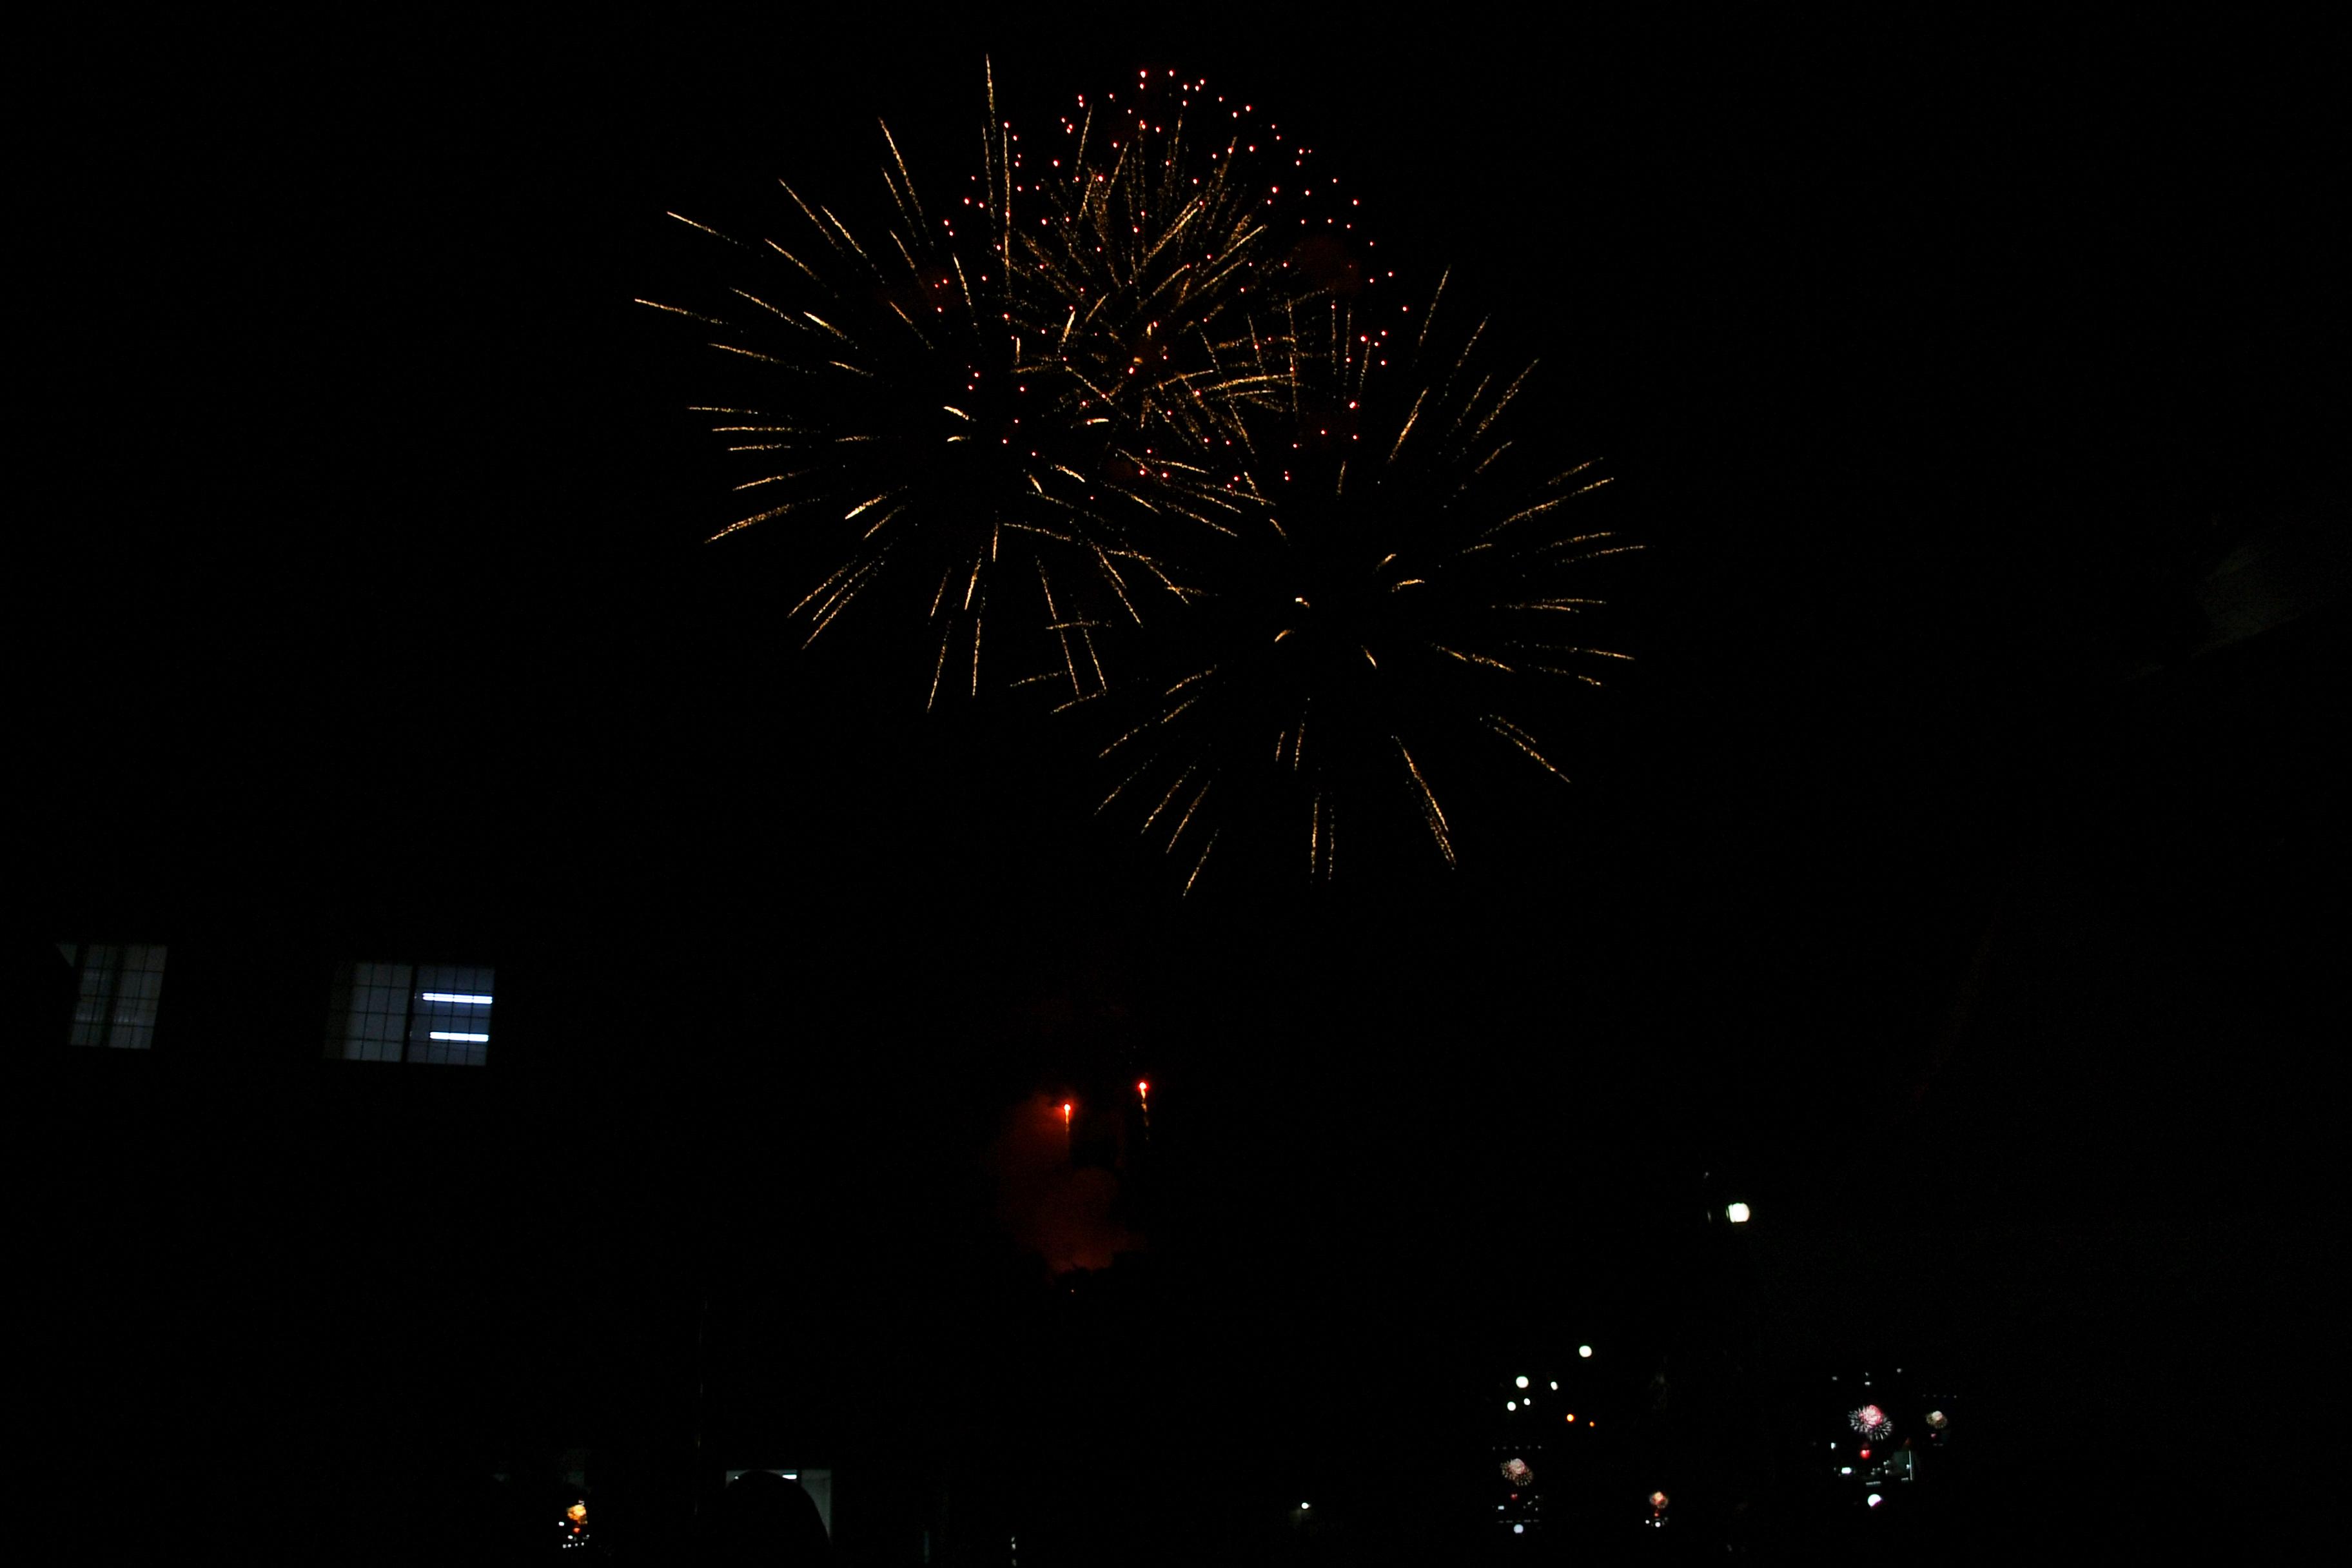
(1518, 1472)
(1870, 1421)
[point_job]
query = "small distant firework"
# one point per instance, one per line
(1389, 584)
(979, 416)
(1870, 1421)
(1518, 1472)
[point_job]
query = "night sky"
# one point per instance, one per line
(1937, 873)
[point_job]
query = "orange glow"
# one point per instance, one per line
(1571, 1417)
(1142, 1086)
(1065, 1113)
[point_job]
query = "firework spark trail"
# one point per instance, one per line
(1395, 608)
(1437, 825)
(1052, 357)
(1523, 740)
(1111, 365)
(1204, 860)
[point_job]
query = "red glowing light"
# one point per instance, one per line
(1066, 1111)
(1142, 1086)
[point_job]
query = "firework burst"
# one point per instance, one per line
(1396, 581)
(990, 417)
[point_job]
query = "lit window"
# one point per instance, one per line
(435, 1013)
(116, 988)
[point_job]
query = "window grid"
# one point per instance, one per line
(437, 1014)
(118, 987)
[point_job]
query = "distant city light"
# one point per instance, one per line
(477, 1039)
(1874, 1500)
(1736, 1213)
(1571, 1417)
(451, 996)
(1304, 1506)
(1518, 1529)
(1555, 1387)
(1584, 1351)
(1845, 1470)
(1521, 1381)
(1510, 1405)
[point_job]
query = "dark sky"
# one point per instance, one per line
(1935, 368)
(1928, 366)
